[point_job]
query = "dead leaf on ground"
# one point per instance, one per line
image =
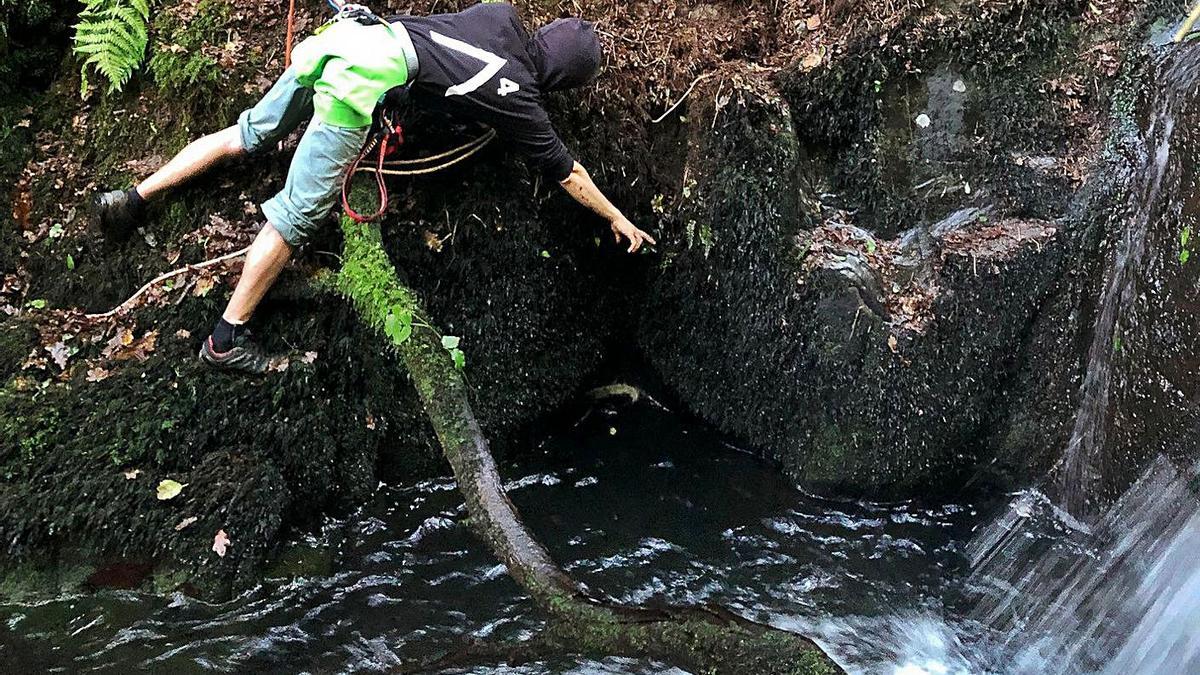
(97, 374)
(60, 354)
(220, 543)
(123, 338)
(123, 346)
(203, 286)
(432, 241)
(183, 334)
(309, 358)
(169, 489)
(22, 204)
(131, 474)
(186, 523)
(893, 344)
(813, 22)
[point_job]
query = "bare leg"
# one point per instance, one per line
(199, 156)
(266, 258)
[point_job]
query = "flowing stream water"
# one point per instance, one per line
(649, 507)
(637, 503)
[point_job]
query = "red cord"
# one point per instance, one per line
(291, 31)
(396, 135)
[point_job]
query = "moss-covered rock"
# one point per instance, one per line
(892, 301)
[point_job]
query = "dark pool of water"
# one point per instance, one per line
(635, 502)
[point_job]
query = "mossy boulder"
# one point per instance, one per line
(892, 290)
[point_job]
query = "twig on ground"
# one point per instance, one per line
(683, 98)
(166, 276)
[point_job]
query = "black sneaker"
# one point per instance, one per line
(243, 357)
(116, 214)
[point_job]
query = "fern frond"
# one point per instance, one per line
(142, 7)
(112, 36)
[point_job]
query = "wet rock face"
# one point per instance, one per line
(1140, 376)
(872, 270)
(886, 289)
(864, 367)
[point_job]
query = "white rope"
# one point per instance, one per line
(428, 170)
(482, 140)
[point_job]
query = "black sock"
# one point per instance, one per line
(224, 334)
(136, 200)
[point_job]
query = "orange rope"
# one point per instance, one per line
(291, 30)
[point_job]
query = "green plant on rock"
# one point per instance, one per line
(111, 38)
(369, 280)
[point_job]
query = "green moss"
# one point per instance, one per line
(182, 62)
(16, 340)
(37, 438)
(828, 453)
(32, 425)
(168, 578)
(368, 279)
(33, 581)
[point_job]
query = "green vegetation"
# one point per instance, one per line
(35, 424)
(182, 58)
(111, 37)
(369, 281)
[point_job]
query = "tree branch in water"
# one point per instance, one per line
(700, 639)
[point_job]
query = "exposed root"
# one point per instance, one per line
(683, 98)
(703, 639)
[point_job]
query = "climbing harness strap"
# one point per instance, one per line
(387, 133)
(386, 137)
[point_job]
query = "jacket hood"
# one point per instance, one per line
(567, 54)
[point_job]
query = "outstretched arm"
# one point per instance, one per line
(580, 186)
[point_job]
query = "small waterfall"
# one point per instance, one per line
(1120, 598)
(1066, 586)
(1080, 470)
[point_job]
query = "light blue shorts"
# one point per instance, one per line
(324, 155)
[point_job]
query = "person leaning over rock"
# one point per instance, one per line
(479, 63)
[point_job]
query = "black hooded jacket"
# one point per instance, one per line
(482, 64)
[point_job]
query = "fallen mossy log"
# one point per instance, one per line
(700, 639)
